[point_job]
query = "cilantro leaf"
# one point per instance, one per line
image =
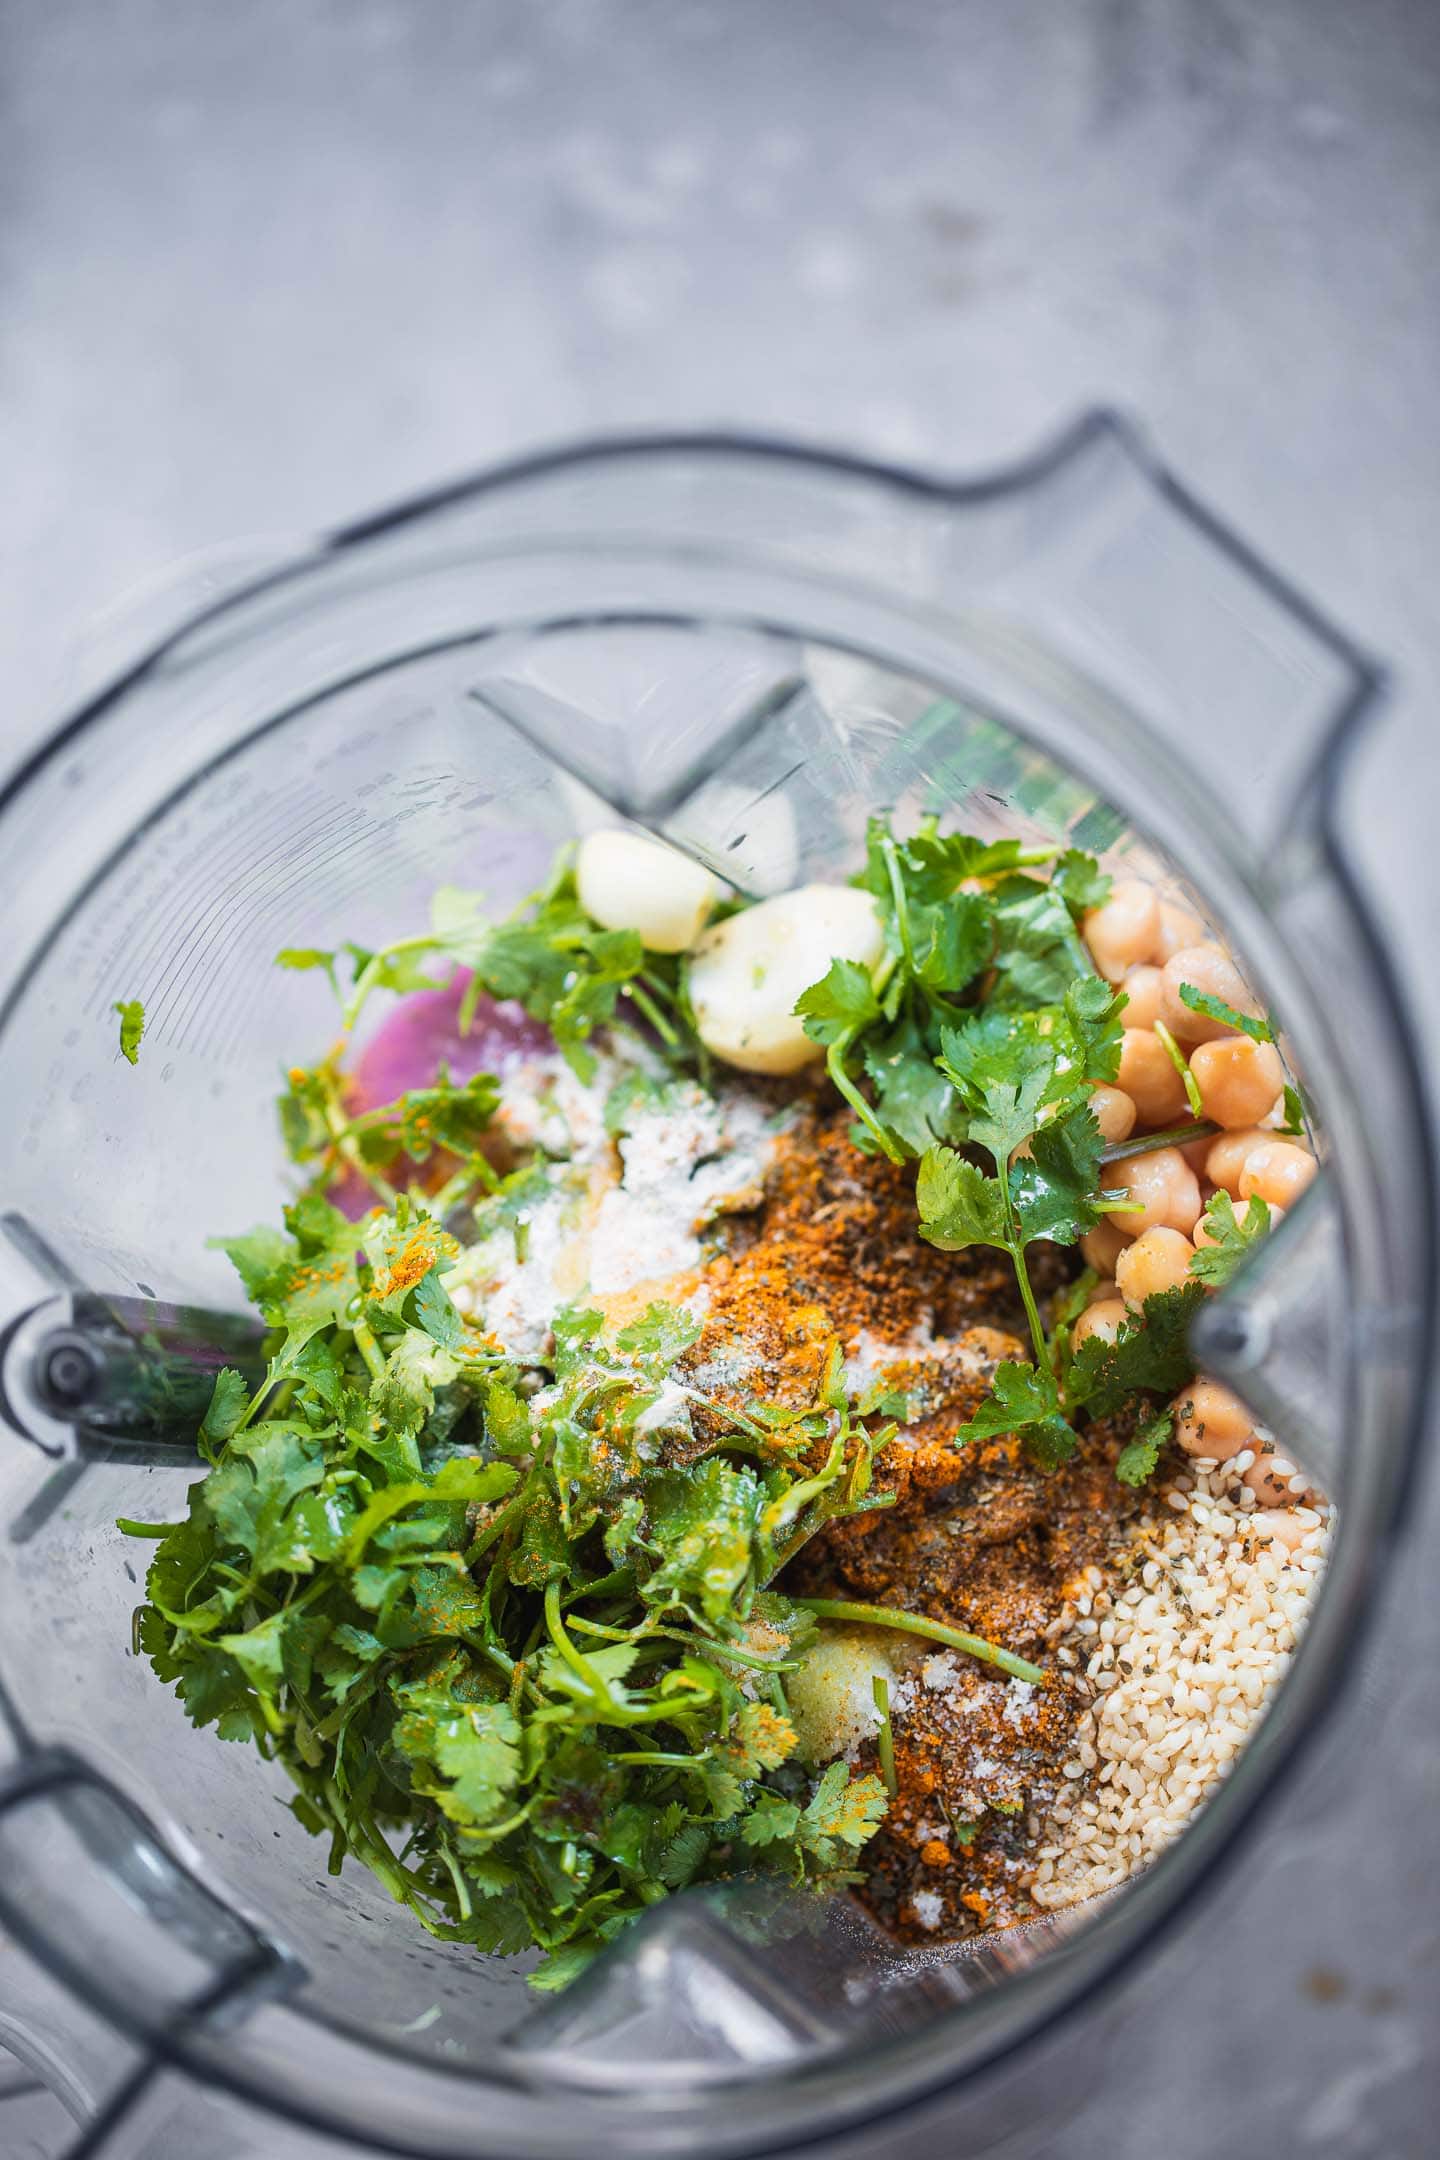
(951, 944)
(1003, 1067)
(1294, 1112)
(1231, 1236)
(299, 958)
(840, 1004)
(1038, 951)
(660, 1335)
(1214, 1008)
(1080, 881)
(1051, 1188)
(706, 1521)
(463, 1755)
(760, 1739)
(1023, 1400)
(1150, 1355)
(913, 1099)
(1136, 1461)
(436, 1314)
(959, 1205)
(132, 1028)
(228, 1403)
(1094, 1013)
(843, 1810)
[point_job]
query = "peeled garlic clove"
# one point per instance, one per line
(747, 972)
(629, 882)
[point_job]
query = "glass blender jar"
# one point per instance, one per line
(745, 647)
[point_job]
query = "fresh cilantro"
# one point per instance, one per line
(1148, 1356)
(502, 1635)
(1231, 1236)
(841, 1004)
(1177, 1058)
(132, 1028)
(1137, 1459)
(1023, 1399)
(1294, 1112)
(300, 958)
(1038, 953)
(549, 956)
(1214, 1008)
(1080, 881)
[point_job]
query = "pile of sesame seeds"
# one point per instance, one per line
(1183, 1652)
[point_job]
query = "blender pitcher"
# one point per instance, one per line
(744, 647)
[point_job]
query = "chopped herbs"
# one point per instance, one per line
(549, 956)
(885, 1737)
(132, 1028)
(1294, 1112)
(516, 1634)
(1177, 1058)
(1214, 1008)
(505, 1650)
(1231, 1237)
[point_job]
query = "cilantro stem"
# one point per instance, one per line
(885, 1739)
(932, 1630)
(369, 1349)
(555, 1627)
(644, 1003)
(497, 1525)
(1178, 1136)
(835, 1066)
(342, 1138)
(840, 1049)
(658, 1758)
(1177, 1058)
(1015, 1245)
(462, 1888)
(1032, 1310)
(898, 901)
(374, 968)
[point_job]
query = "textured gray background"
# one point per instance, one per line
(265, 263)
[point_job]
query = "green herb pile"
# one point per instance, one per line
(982, 1036)
(515, 1636)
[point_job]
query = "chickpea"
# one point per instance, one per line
(1195, 1153)
(1201, 1236)
(1114, 1113)
(1238, 1079)
(1281, 1525)
(1105, 1320)
(1103, 1246)
(1211, 1420)
(1179, 927)
(1165, 1185)
(1102, 1293)
(1271, 1485)
(1150, 1080)
(1227, 1156)
(1142, 987)
(1277, 1170)
(1122, 932)
(1159, 1259)
(1204, 967)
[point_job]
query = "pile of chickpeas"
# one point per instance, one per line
(1148, 947)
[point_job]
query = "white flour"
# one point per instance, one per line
(616, 1215)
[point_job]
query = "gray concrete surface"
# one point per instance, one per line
(264, 265)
